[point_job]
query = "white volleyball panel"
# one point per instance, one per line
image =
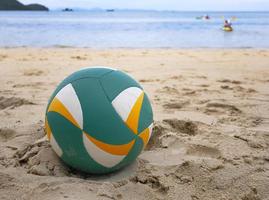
(69, 99)
(125, 101)
(55, 146)
(150, 130)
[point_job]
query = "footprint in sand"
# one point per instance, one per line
(204, 85)
(229, 81)
(176, 105)
(190, 93)
(6, 134)
(7, 92)
(187, 127)
(13, 102)
(2, 57)
(221, 108)
(33, 72)
(201, 77)
(79, 57)
(203, 151)
(179, 77)
(155, 140)
(149, 80)
(35, 85)
(168, 90)
(226, 87)
(8, 182)
(43, 59)
(152, 181)
(244, 90)
(238, 89)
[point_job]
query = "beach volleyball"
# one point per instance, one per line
(98, 120)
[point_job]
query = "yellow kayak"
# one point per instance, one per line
(228, 29)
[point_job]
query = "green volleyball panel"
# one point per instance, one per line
(91, 72)
(115, 82)
(100, 119)
(146, 115)
(70, 140)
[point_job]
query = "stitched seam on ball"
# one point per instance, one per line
(115, 109)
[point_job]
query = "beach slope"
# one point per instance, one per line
(210, 138)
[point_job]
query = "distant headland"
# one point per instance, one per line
(16, 5)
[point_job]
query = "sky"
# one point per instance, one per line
(181, 5)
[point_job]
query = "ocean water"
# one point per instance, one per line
(133, 29)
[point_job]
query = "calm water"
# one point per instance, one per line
(135, 29)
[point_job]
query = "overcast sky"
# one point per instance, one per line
(158, 4)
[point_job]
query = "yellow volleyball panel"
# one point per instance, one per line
(133, 118)
(146, 134)
(57, 106)
(112, 149)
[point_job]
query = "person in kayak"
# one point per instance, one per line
(206, 17)
(227, 24)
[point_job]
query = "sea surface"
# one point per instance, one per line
(133, 29)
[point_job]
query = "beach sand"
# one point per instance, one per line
(210, 138)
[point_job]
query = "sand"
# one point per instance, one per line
(210, 138)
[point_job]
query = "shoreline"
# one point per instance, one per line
(133, 48)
